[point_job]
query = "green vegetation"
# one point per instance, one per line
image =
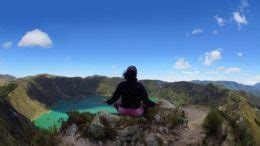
(18, 130)
(181, 93)
(242, 118)
(107, 86)
(6, 89)
(43, 138)
(5, 136)
(213, 123)
(4, 79)
(23, 103)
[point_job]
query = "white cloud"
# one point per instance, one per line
(251, 80)
(240, 54)
(211, 57)
(182, 64)
(220, 21)
(35, 37)
(190, 72)
(7, 44)
(239, 15)
(197, 31)
(229, 70)
(239, 18)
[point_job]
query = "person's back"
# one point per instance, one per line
(132, 94)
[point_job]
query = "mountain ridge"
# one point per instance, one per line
(4, 78)
(251, 89)
(257, 85)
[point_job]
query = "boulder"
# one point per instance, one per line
(157, 118)
(166, 104)
(71, 131)
(110, 119)
(129, 134)
(163, 130)
(152, 140)
(96, 128)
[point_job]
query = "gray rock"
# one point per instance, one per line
(163, 130)
(100, 143)
(129, 134)
(112, 120)
(71, 131)
(96, 128)
(166, 104)
(151, 140)
(139, 144)
(157, 118)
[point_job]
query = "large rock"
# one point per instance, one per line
(111, 120)
(166, 104)
(71, 131)
(96, 128)
(129, 134)
(152, 140)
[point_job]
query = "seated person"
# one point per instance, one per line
(134, 98)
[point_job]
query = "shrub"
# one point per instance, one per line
(213, 123)
(79, 118)
(43, 138)
(241, 133)
(6, 89)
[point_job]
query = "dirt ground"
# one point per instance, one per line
(194, 133)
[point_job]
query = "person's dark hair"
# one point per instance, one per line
(130, 74)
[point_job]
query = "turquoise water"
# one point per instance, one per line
(92, 104)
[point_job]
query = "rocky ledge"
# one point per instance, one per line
(160, 126)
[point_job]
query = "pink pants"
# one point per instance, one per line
(135, 112)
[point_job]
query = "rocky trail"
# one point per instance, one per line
(193, 134)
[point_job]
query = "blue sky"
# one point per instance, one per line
(170, 40)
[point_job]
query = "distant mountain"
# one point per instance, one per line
(6, 78)
(254, 90)
(257, 85)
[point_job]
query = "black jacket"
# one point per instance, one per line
(132, 93)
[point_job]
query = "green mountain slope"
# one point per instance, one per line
(15, 129)
(243, 118)
(6, 78)
(232, 86)
(35, 95)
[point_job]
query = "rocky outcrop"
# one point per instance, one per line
(112, 129)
